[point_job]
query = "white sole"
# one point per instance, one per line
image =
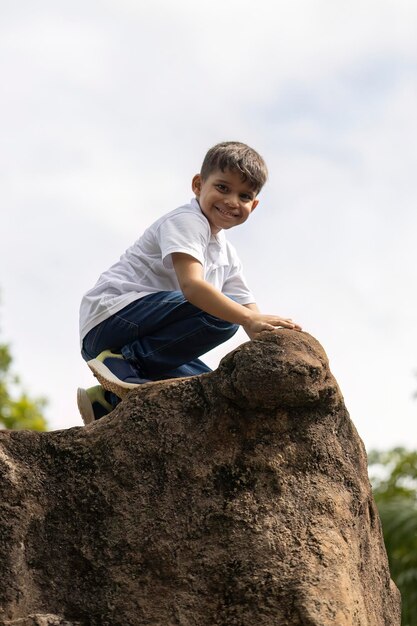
(84, 406)
(108, 380)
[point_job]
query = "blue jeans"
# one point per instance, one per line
(161, 335)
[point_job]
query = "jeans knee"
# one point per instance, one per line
(220, 325)
(231, 330)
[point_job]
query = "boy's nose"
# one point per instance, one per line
(232, 201)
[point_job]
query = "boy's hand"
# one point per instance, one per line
(260, 322)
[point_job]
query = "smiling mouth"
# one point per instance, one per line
(225, 213)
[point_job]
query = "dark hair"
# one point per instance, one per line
(237, 157)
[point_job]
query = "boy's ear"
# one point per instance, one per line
(255, 204)
(196, 184)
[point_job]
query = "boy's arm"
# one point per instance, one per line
(199, 292)
(252, 306)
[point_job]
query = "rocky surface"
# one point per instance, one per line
(41, 620)
(237, 498)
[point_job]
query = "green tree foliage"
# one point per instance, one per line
(17, 409)
(393, 475)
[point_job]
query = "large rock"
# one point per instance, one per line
(238, 498)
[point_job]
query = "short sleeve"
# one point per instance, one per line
(185, 232)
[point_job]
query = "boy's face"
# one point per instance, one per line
(224, 199)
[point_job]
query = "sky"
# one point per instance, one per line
(106, 111)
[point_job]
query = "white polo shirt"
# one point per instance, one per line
(146, 267)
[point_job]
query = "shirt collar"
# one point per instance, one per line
(218, 239)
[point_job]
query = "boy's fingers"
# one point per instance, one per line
(287, 323)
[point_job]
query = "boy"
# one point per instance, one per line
(178, 291)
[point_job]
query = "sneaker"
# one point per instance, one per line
(115, 373)
(92, 404)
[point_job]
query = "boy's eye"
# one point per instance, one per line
(221, 187)
(246, 197)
